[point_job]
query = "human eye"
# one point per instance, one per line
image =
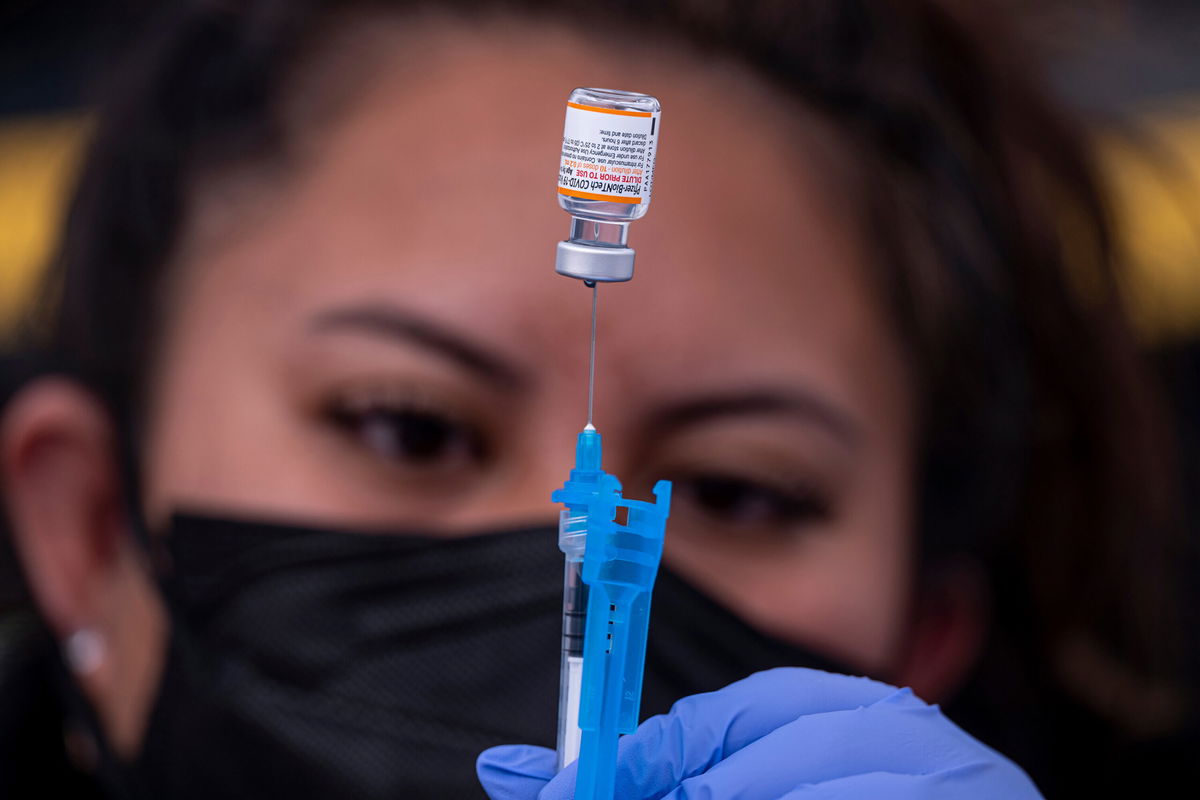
(740, 502)
(409, 430)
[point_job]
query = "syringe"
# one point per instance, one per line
(609, 575)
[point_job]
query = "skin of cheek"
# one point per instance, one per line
(727, 292)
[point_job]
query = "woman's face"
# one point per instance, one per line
(379, 337)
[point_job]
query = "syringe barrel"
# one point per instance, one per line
(575, 600)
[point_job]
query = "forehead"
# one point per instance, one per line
(435, 190)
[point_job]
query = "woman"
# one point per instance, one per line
(304, 296)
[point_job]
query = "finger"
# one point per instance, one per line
(514, 771)
(891, 736)
(980, 781)
(704, 729)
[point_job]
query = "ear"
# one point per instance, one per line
(86, 574)
(946, 631)
(63, 498)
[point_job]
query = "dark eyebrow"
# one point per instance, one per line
(757, 401)
(403, 325)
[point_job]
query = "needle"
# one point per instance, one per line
(592, 361)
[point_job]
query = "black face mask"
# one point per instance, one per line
(309, 663)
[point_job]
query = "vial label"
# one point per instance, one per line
(608, 154)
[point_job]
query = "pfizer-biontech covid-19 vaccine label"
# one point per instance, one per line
(608, 154)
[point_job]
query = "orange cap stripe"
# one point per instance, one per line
(633, 201)
(618, 111)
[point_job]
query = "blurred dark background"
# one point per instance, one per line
(50, 49)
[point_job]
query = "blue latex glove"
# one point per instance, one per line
(791, 733)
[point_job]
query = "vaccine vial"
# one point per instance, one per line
(605, 179)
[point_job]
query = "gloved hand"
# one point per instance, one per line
(791, 733)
